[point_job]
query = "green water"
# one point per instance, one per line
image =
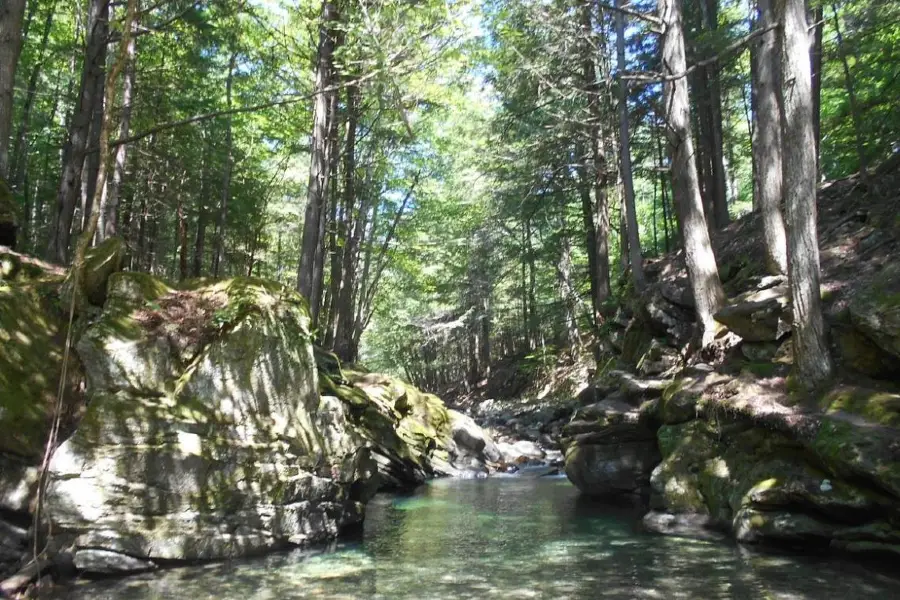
(507, 538)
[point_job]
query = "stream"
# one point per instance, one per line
(506, 538)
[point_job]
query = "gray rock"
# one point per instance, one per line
(758, 316)
(94, 560)
(205, 441)
(875, 310)
(471, 439)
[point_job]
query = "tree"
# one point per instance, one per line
(767, 150)
(634, 241)
(701, 262)
(308, 276)
(12, 14)
(811, 356)
(76, 147)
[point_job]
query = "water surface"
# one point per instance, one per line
(507, 538)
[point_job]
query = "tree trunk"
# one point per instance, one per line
(635, 258)
(710, 15)
(20, 149)
(182, 238)
(70, 181)
(317, 187)
(811, 356)
(590, 235)
(219, 251)
(200, 240)
(768, 150)
(350, 258)
(92, 158)
(109, 211)
(601, 203)
(855, 115)
(701, 262)
(816, 60)
(331, 151)
(12, 15)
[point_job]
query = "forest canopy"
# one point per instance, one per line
(448, 182)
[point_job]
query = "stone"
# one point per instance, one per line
(758, 316)
(759, 351)
(610, 452)
(472, 439)
(106, 562)
(875, 309)
(863, 355)
(682, 525)
(607, 470)
(205, 436)
(32, 333)
(678, 292)
(877, 406)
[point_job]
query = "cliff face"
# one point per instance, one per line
(719, 439)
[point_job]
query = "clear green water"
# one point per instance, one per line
(507, 538)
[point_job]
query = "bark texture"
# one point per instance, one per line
(701, 262)
(811, 357)
(12, 15)
(320, 163)
(767, 148)
(70, 180)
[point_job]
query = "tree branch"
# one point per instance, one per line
(659, 77)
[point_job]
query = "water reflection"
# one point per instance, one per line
(507, 538)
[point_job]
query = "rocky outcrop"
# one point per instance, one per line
(761, 315)
(205, 436)
(610, 450)
(875, 310)
(413, 436)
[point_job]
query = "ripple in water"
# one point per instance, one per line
(506, 538)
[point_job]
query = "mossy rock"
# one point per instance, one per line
(862, 355)
(99, 264)
(687, 450)
(875, 310)
(878, 406)
(637, 341)
(678, 403)
(859, 451)
(32, 339)
(18, 268)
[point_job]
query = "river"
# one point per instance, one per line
(506, 538)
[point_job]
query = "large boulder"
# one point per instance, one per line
(875, 310)
(610, 451)
(205, 436)
(471, 440)
(412, 435)
(759, 315)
